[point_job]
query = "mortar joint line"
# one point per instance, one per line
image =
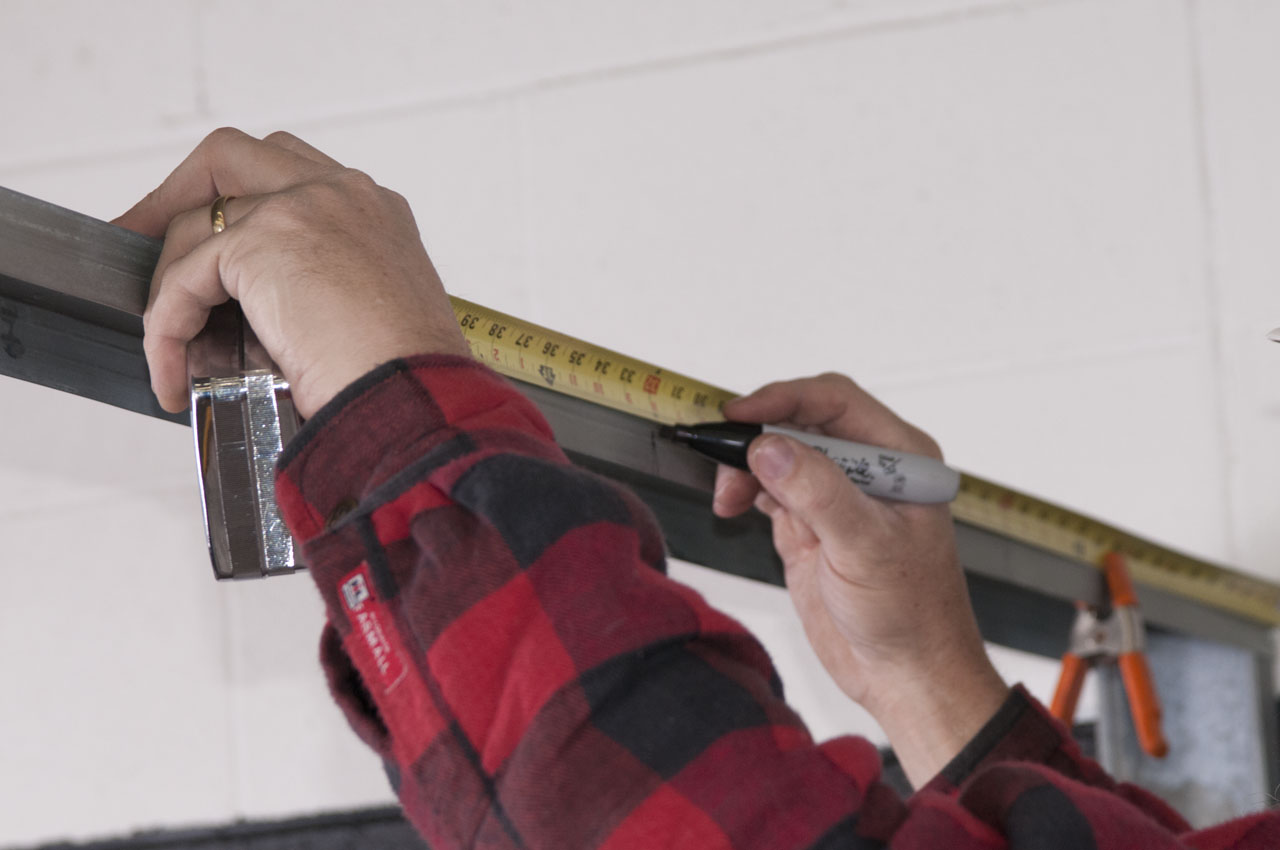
(498, 92)
(1213, 301)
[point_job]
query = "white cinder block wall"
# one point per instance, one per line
(1044, 230)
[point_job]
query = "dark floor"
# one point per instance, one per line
(381, 828)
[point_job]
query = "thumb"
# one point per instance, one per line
(809, 485)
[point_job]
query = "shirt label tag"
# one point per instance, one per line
(371, 620)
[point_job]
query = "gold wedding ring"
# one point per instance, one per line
(218, 213)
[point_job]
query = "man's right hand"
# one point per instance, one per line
(877, 584)
(327, 265)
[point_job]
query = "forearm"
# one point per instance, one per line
(528, 667)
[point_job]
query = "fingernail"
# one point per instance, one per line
(774, 458)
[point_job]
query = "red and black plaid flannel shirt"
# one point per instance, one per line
(501, 631)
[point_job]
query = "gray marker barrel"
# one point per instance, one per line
(884, 473)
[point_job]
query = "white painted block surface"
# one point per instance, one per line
(578, 37)
(1131, 440)
(117, 714)
(1240, 65)
(60, 450)
(294, 751)
(295, 60)
(78, 78)
(902, 205)
(329, 58)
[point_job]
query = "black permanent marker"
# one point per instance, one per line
(883, 473)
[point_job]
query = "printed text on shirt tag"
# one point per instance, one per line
(374, 624)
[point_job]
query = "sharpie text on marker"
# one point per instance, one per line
(883, 473)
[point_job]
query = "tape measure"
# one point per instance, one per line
(1031, 520)
(537, 355)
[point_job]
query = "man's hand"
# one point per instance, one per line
(877, 584)
(328, 266)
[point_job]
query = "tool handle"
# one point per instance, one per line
(1070, 682)
(1144, 703)
(1118, 581)
(242, 416)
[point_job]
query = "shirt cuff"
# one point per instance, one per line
(1020, 730)
(373, 429)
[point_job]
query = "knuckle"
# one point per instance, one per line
(160, 287)
(769, 389)
(397, 199)
(340, 189)
(285, 211)
(156, 196)
(923, 443)
(355, 179)
(280, 137)
(820, 495)
(175, 227)
(838, 379)
(163, 281)
(222, 137)
(151, 344)
(357, 189)
(185, 222)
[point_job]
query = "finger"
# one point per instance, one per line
(819, 401)
(191, 286)
(735, 491)
(292, 143)
(766, 504)
(186, 231)
(791, 536)
(227, 162)
(835, 405)
(816, 492)
(803, 401)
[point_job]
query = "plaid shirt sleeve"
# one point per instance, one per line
(502, 633)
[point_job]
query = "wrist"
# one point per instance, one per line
(315, 387)
(930, 713)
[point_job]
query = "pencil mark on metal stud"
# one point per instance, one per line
(12, 345)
